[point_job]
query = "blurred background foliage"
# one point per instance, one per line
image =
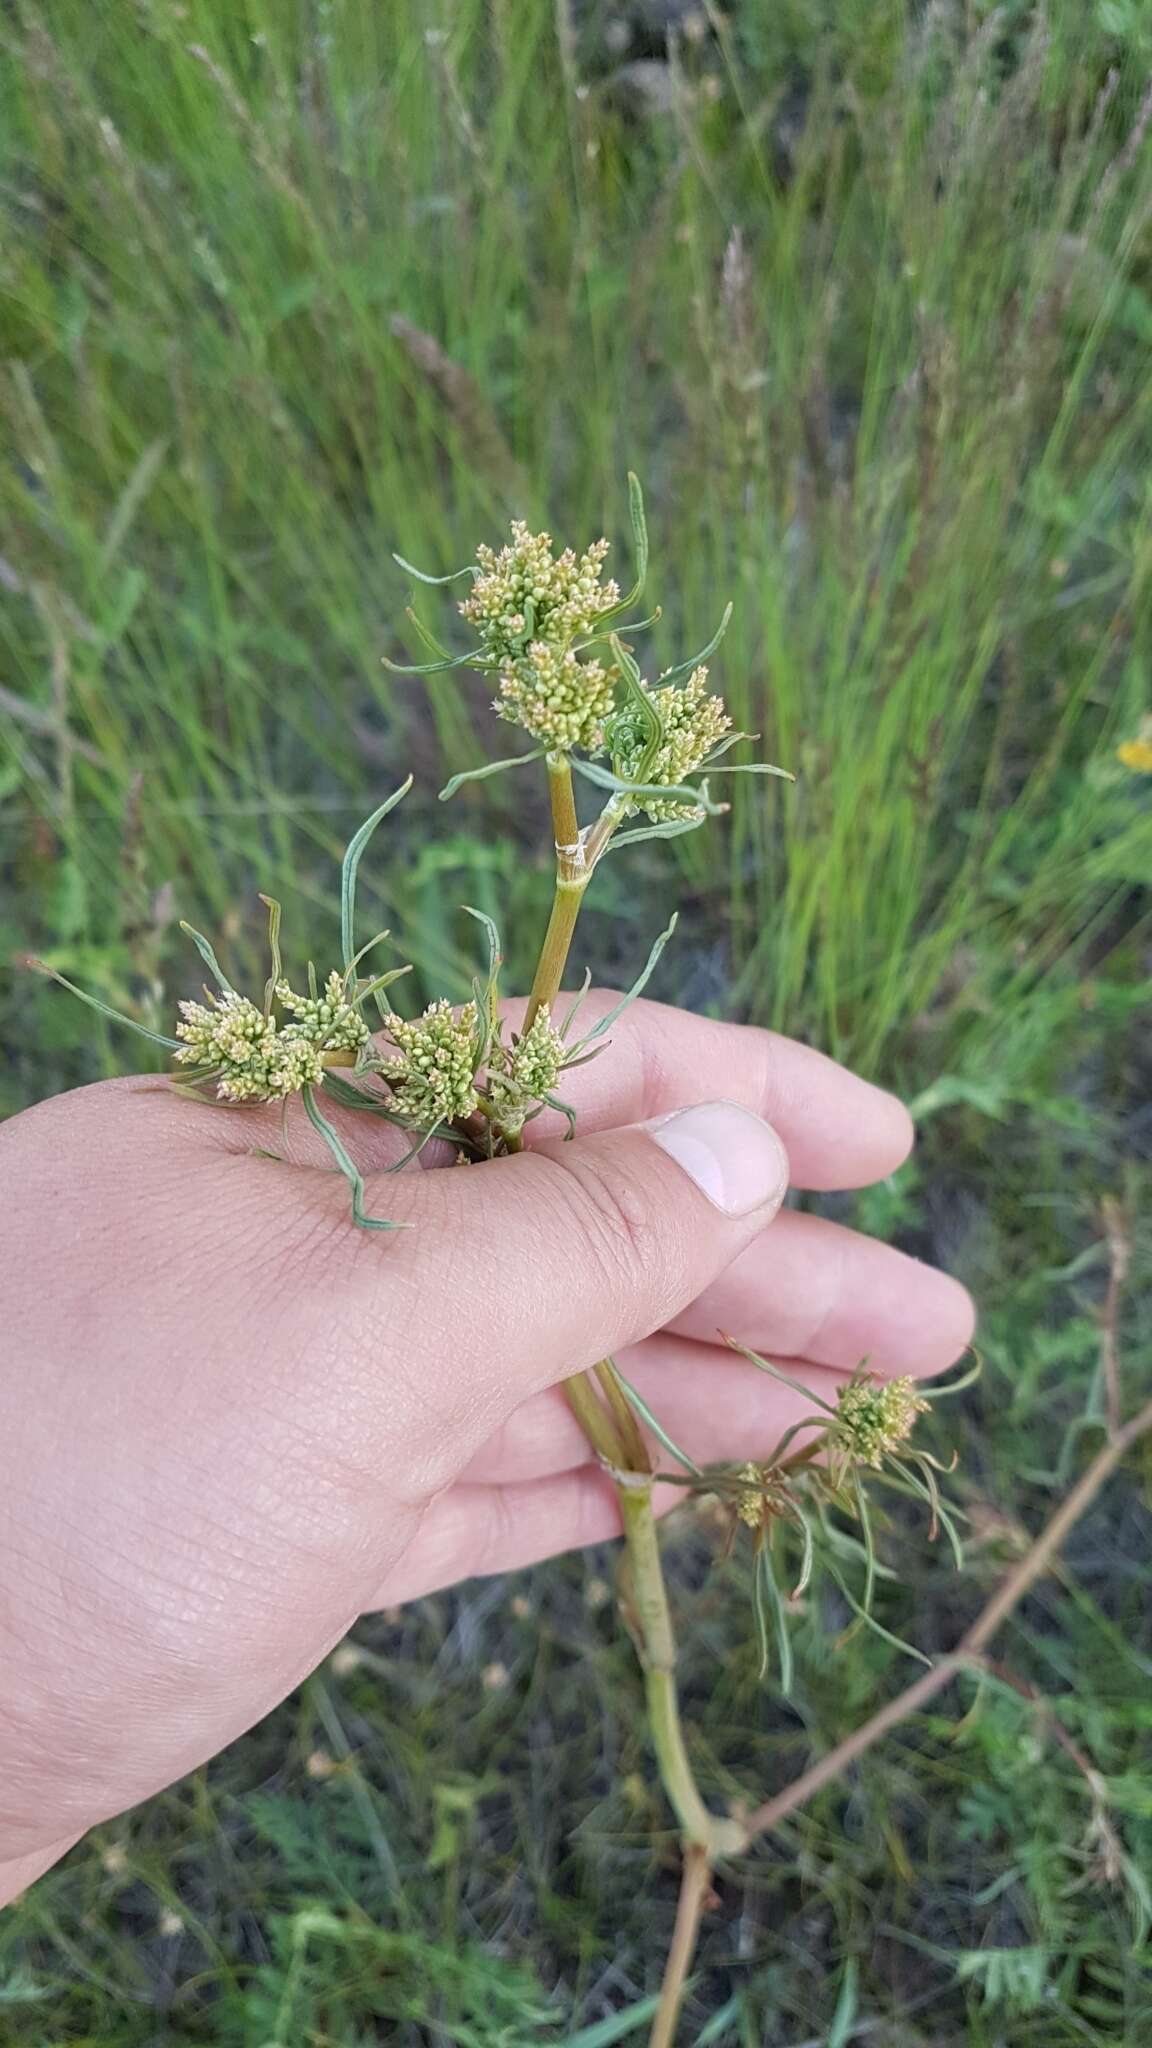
(863, 290)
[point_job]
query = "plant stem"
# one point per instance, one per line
(705, 1830)
(573, 874)
(602, 1409)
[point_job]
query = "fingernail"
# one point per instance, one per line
(733, 1156)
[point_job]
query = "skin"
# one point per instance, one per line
(234, 1423)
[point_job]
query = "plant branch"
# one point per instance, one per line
(969, 1651)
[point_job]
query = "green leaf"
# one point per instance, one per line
(638, 986)
(847, 2007)
(453, 576)
(769, 1606)
(274, 950)
(639, 550)
(105, 1009)
(638, 1402)
(490, 768)
(208, 956)
(432, 668)
(751, 768)
(777, 1373)
(676, 792)
(604, 2033)
(355, 849)
(685, 668)
(672, 828)
(347, 1167)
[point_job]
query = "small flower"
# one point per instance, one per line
(556, 697)
(874, 1418)
(1136, 754)
(521, 1075)
(329, 1022)
(433, 1073)
(694, 723)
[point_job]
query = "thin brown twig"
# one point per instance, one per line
(695, 1885)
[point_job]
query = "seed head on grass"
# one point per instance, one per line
(433, 1072)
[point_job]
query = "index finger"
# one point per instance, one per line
(838, 1131)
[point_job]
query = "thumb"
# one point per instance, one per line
(576, 1249)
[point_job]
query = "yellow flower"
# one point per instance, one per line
(1136, 754)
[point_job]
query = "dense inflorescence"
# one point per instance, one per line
(694, 723)
(433, 1071)
(874, 1418)
(524, 1073)
(529, 608)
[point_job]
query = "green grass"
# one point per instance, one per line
(868, 305)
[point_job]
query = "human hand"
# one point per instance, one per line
(233, 1422)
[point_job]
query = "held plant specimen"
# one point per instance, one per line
(553, 634)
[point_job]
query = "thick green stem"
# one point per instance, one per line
(557, 944)
(573, 874)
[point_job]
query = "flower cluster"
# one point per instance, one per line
(524, 594)
(559, 699)
(330, 1021)
(244, 1052)
(694, 723)
(873, 1418)
(528, 608)
(521, 1075)
(433, 1072)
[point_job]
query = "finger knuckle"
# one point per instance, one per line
(618, 1232)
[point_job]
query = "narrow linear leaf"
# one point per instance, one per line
(685, 668)
(565, 1110)
(351, 863)
(752, 768)
(967, 1379)
(208, 956)
(638, 1402)
(105, 1009)
(777, 1373)
(490, 768)
(871, 1622)
(432, 668)
(606, 1022)
(676, 792)
(672, 828)
(774, 1603)
(421, 575)
(346, 1165)
(274, 914)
